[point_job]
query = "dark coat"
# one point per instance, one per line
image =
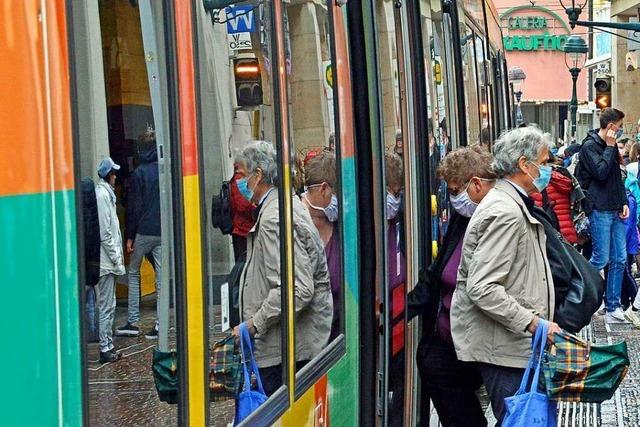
(143, 207)
(598, 172)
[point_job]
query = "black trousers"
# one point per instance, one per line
(271, 376)
(450, 384)
(239, 247)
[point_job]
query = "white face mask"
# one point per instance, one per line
(393, 205)
(331, 211)
(463, 204)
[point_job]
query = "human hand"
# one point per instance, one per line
(129, 246)
(625, 212)
(551, 330)
(610, 136)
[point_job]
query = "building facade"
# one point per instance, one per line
(534, 37)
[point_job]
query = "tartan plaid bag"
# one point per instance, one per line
(576, 371)
(225, 372)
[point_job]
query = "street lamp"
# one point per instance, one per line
(575, 55)
(574, 11)
(517, 77)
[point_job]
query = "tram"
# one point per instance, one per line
(372, 81)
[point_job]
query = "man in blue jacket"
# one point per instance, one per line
(143, 229)
(599, 171)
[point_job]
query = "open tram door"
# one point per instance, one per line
(398, 219)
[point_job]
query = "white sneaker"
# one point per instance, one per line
(616, 316)
(633, 316)
(602, 310)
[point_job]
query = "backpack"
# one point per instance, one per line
(91, 231)
(221, 216)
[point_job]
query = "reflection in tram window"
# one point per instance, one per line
(121, 115)
(242, 243)
(470, 87)
(260, 283)
(313, 143)
(321, 200)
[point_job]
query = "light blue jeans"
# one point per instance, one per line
(142, 246)
(609, 239)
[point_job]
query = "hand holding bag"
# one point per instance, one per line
(248, 400)
(528, 407)
(576, 371)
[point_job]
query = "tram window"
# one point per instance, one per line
(315, 148)
(470, 87)
(484, 92)
(239, 161)
(438, 100)
(392, 291)
(119, 114)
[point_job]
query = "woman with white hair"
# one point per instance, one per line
(504, 285)
(260, 283)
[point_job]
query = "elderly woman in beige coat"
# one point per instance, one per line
(261, 279)
(504, 281)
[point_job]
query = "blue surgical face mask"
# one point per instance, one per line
(243, 188)
(544, 176)
(619, 133)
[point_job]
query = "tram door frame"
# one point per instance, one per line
(403, 61)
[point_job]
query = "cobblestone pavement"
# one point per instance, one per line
(124, 393)
(624, 409)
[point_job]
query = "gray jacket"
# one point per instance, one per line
(260, 285)
(503, 280)
(111, 258)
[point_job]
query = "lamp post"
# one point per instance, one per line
(575, 55)
(576, 8)
(517, 78)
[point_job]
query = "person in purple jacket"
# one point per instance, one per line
(321, 201)
(450, 383)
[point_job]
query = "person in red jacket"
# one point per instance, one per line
(242, 213)
(558, 196)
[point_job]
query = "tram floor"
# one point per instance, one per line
(123, 393)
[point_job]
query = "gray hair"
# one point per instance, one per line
(260, 155)
(525, 142)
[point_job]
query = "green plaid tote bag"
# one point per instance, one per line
(225, 373)
(577, 371)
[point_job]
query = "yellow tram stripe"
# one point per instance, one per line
(195, 301)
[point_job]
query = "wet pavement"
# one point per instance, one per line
(123, 393)
(623, 410)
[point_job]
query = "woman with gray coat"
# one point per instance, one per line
(504, 283)
(261, 280)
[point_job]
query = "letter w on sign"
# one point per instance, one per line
(240, 19)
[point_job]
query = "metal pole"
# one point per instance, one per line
(574, 100)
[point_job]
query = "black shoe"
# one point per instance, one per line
(128, 330)
(109, 356)
(152, 334)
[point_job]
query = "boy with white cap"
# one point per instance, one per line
(111, 257)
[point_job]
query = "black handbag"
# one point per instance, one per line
(579, 288)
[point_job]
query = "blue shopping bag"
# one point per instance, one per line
(248, 400)
(528, 407)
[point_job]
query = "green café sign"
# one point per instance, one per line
(533, 30)
(534, 42)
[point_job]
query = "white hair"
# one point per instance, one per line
(527, 142)
(260, 155)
